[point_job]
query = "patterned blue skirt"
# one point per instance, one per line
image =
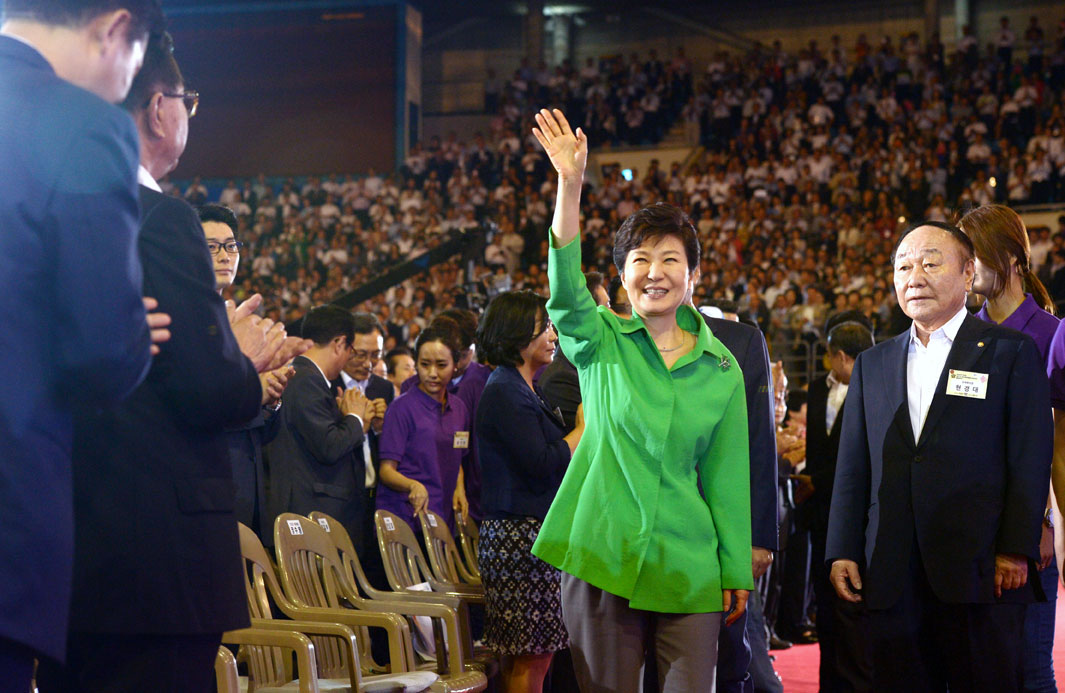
(523, 597)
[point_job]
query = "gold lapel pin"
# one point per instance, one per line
(979, 344)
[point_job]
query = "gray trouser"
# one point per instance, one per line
(609, 641)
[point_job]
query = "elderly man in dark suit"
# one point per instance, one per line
(841, 625)
(941, 478)
(70, 286)
(157, 575)
(316, 459)
(367, 350)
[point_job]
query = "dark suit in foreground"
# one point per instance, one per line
(249, 474)
(73, 322)
(157, 557)
(316, 460)
(841, 626)
(748, 346)
(924, 519)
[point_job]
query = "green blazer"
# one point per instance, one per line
(629, 517)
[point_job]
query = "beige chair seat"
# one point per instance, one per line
(408, 682)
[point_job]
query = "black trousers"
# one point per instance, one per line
(103, 663)
(842, 631)
(924, 644)
(16, 666)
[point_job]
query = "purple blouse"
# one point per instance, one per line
(1041, 326)
(420, 435)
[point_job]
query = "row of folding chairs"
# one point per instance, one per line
(318, 583)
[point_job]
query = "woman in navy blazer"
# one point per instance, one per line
(523, 457)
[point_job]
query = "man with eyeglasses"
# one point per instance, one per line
(367, 350)
(153, 488)
(245, 441)
(316, 460)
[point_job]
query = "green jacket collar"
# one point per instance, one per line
(689, 320)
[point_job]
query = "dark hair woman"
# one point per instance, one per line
(426, 435)
(1016, 298)
(652, 522)
(523, 455)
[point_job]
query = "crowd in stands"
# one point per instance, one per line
(813, 161)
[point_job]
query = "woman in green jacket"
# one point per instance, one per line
(652, 523)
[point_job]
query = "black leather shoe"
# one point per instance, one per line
(776, 643)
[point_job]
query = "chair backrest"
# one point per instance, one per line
(267, 666)
(225, 672)
(470, 541)
(309, 566)
(404, 563)
(349, 559)
(443, 553)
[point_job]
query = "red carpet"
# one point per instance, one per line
(798, 666)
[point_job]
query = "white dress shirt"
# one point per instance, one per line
(349, 382)
(924, 366)
(146, 179)
(837, 392)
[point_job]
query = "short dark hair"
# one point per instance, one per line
(444, 330)
(160, 72)
(325, 323)
(147, 15)
(593, 280)
(213, 211)
(509, 325)
(393, 354)
(966, 243)
(652, 224)
(612, 294)
(848, 316)
(367, 323)
(724, 305)
(851, 338)
(466, 320)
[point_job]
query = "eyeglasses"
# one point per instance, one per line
(191, 99)
(360, 355)
(232, 247)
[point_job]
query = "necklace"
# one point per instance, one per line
(683, 339)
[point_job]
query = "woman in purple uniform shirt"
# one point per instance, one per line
(1017, 299)
(426, 435)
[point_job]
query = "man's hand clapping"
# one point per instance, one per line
(352, 401)
(259, 338)
(274, 382)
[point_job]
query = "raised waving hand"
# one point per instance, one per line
(568, 152)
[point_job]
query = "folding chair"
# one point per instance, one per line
(444, 557)
(312, 577)
(337, 655)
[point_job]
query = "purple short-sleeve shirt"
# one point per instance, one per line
(1041, 326)
(420, 435)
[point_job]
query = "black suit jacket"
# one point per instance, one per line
(561, 388)
(748, 346)
(822, 446)
(315, 460)
(973, 485)
(74, 329)
(156, 547)
(246, 456)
